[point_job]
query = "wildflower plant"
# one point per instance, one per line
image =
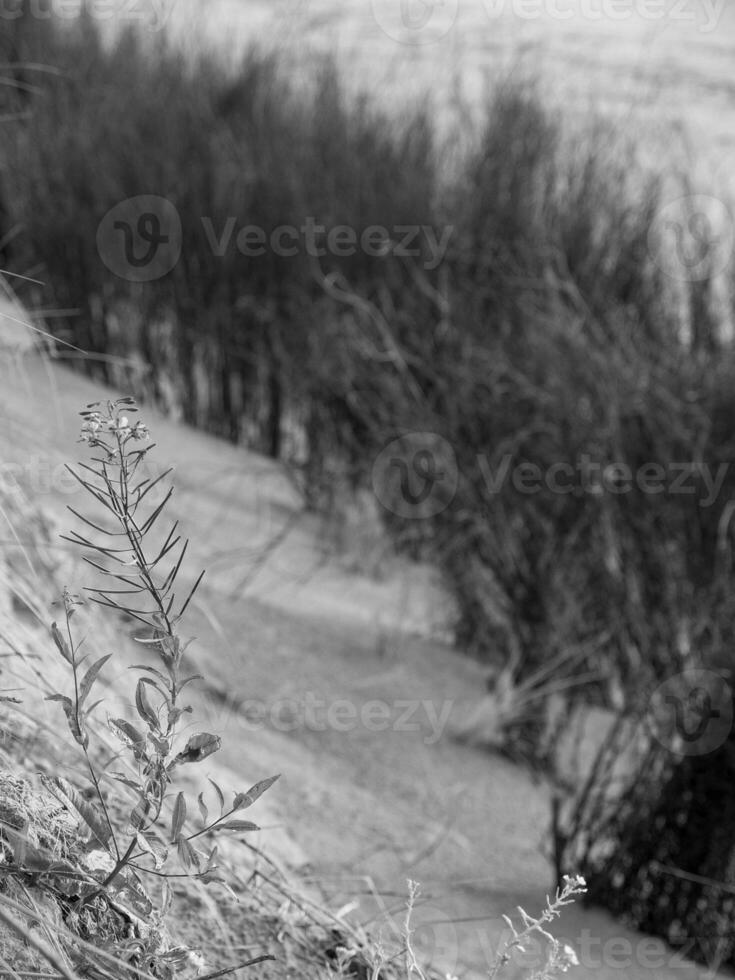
(104, 872)
(559, 957)
(139, 581)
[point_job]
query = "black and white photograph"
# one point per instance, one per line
(367, 489)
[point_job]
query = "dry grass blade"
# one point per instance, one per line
(31, 939)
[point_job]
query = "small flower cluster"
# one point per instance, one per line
(96, 425)
(573, 885)
(558, 960)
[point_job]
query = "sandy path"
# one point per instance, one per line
(369, 796)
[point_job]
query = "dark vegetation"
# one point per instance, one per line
(548, 332)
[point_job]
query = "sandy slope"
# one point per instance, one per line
(286, 634)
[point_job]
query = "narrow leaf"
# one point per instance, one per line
(178, 817)
(143, 705)
(149, 484)
(212, 859)
(126, 781)
(59, 697)
(145, 528)
(244, 800)
(166, 897)
(189, 680)
(187, 854)
(220, 795)
(208, 877)
(90, 677)
(128, 735)
(151, 670)
(237, 825)
(102, 530)
(92, 706)
(138, 814)
(75, 722)
(61, 643)
(191, 594)
(72, 798)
